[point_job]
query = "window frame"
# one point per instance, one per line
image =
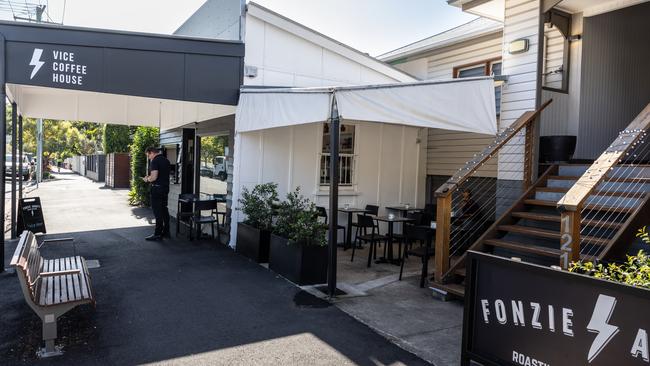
(352, 186)
(487, 66)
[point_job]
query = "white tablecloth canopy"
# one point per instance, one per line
(459, 104)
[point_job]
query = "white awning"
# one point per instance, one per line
(77, 105)
(458, 104)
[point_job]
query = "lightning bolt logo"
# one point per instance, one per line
(599, 324)
(36, 61)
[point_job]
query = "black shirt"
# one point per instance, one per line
(161, 164)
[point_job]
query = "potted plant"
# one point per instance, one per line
(253, 235)
(298, 243)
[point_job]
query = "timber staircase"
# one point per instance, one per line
(571, 212)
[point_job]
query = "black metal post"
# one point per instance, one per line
(14, 123)
(20, 157)
(334, 196)
(3, 150)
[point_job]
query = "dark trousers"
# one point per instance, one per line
(159, 197)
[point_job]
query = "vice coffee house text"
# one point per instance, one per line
(65, 70)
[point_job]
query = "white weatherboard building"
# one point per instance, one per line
(383, 164)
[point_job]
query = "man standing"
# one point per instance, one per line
(159, 179)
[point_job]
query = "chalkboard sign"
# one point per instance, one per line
(30, 215)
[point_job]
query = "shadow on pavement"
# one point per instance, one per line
(185, 303)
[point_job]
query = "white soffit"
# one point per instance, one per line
(457, 104)
(75, 105)
(493, 9)
(595, 7)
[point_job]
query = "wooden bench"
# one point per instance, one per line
(51, 287)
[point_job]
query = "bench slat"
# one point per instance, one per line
(57, 280)
(49, 293)
(75, 280)
(68, 278)
(82, 277)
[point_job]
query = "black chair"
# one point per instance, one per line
(198, 219)
(184, 211)
(365, 222)
(221, 198)
(418, 220)
(423, 235)
(322, 212)
(372, 210)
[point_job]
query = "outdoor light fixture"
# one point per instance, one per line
(517, 46)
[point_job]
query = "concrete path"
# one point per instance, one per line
(176, 302)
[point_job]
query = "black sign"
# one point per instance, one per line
(522, 314)
(55, 66)
(30, 215)
(168, 67)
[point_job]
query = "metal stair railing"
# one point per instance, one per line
(621, 168)
(475, 180)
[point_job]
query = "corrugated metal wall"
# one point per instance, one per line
(615, 76)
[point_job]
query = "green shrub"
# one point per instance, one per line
(257, 205)
(142, 138)
(297, 220)
(635, 271)
(116, 138)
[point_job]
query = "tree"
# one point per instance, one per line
(142, 138)
(212, 146)
(116, 138)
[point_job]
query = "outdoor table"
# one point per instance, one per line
(403, 209)
(389, 250)
(348, 235)
(193, 199)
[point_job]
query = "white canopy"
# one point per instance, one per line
(78, 105)
(458, 104)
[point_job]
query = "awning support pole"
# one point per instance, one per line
(20, 157)
(3, 148)
(14, 125)
(334, 196)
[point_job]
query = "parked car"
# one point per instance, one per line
(206, 172)
(220, 168)
(25, 164)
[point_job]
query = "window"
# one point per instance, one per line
(213, 167)
(482, 68)
(555, 66)
(346, 156)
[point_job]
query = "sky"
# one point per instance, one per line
(371, 26)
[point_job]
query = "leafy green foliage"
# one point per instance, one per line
(257, 205)
(635, 271)
(116, 138)
(142, 138)
(297, 220)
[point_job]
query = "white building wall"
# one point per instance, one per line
(390, 159)
(219, 19)
(285, 59)
(519, 93)
(388, 167)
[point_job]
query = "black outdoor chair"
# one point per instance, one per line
(365, 222)
(221, 198)
(372, 210)
(198, 219)
(322, 212)
(425, 251)
(183, 211)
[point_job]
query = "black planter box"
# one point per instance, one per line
(253, 243)
(299, 263)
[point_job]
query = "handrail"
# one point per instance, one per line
(571, 204)
(488, 152)
(626, 139)
(444, 193)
